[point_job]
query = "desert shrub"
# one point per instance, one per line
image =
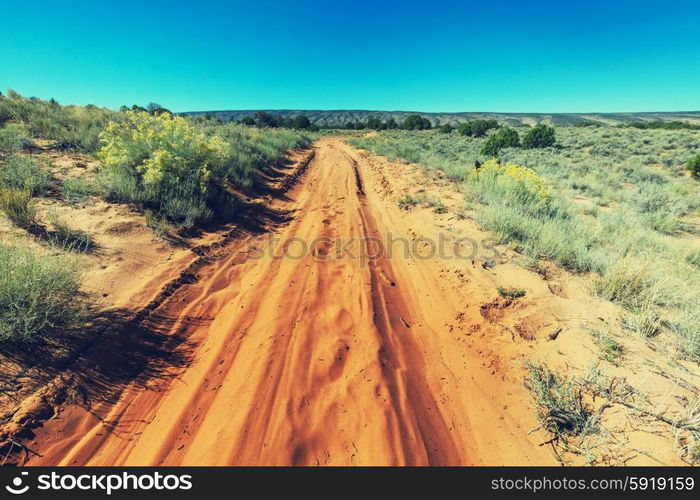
(477, 128)
(513, 185)
(635, 283)
(163, 162)
(252, 151)
(23, 173)
(446, 128)
(559, 402)
(416, 122)
(407, 201)
(13, 138)
(539, 136)
(503, 138)
(17, 205)
(38, 294)
(610, 349)
(694, 166)
(512, 293)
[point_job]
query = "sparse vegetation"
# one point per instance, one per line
(610, 349)
(77, 190)
(512, 293)
(66, 238)
(560, 404)
(618, 204)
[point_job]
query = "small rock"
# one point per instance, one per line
(555, 333)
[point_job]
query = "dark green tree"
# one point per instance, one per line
(265, 119)
(477, 128)
(694, 166)
(374, 123)
(301, 122)
(503, 138)
(539, 136)
(416, 122)
(391, 124)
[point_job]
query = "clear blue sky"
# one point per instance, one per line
(507, 55)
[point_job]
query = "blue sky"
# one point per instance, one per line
(518, 56)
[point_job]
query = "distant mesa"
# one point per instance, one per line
(337, 118)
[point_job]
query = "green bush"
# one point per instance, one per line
(13, 138)
(17, 205)
(539, 136)
(22, 172)
(416, 122)
(179, 168)
(477, 128)
(446, 128)
(163, 162)
(503, 138)
(38, 294)
(694, 166)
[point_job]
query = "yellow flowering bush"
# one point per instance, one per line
(510, 184)
(162, 161)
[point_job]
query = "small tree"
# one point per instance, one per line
(265, 119)
(446, 128)
(694, 166)
(503, 138)
(301, 122)
(416, 122)
(391, 124)
(374, 123)
(540, 136)
(477, 128)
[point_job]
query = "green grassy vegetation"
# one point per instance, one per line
(512, 293)
(72, 127)
(78, 189)
(615, 201)
(424, 200)
(17, 206)
(38, 294)
(181, 169)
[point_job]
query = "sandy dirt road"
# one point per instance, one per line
(314, 358)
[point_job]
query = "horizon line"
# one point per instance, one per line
(248, 110)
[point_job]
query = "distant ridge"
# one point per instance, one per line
(340, 117)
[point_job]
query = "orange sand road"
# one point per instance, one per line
(315, 360)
